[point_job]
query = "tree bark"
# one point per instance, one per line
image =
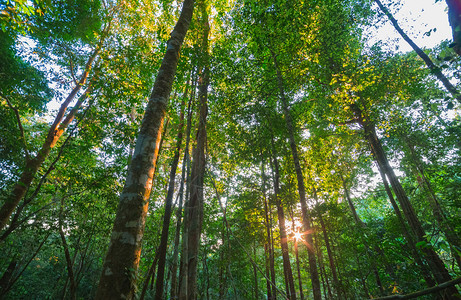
(301, 187)
(120, 267)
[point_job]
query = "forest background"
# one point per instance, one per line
(231, 149)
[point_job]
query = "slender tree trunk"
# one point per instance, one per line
(330, 255)
(301, 187)
(289, 282)
(54, 133)
(298, 269)
(168, 207)
(435, 263)
(268, 245)
(198, 168)
(120, 267)
(12, 281)
(323, 274)
(69, 261)
(255, 274)
(429, 63)
(362, 228)
(7, 276)
(150, 274)
(174, 264)
(182, 282)
(454, 17)
(437, 210)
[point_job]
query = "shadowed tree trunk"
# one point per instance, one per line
(198, 167)
(287, 271)
(54, 133)
(268, 250)
(331, 261)
(168, 207)
(119, 271)
(436, 265)
(301, 187)
(174, 264)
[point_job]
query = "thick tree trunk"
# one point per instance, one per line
(54, 133)
(198, 168)
(429, 63)
(120, 267)
(301, 187)
(454, 17)
(435, 263)
(168, 207)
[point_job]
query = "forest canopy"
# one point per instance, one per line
(229, 149)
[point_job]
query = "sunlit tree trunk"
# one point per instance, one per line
(120, 267)
(301, 187)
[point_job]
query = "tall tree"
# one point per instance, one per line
(118, 278)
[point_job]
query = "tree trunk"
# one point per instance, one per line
(331, 261)
(270, 272)
(454, 17)
(7, 276)
(429, 63)
(69, 261)
(120, 267)
(54, 133)
(198, 168)
(289, 282)
(438, 212)
(435, 263)
(168, 207)
(174, 264)
(150, 274)
(301, 188)
(298, 269)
